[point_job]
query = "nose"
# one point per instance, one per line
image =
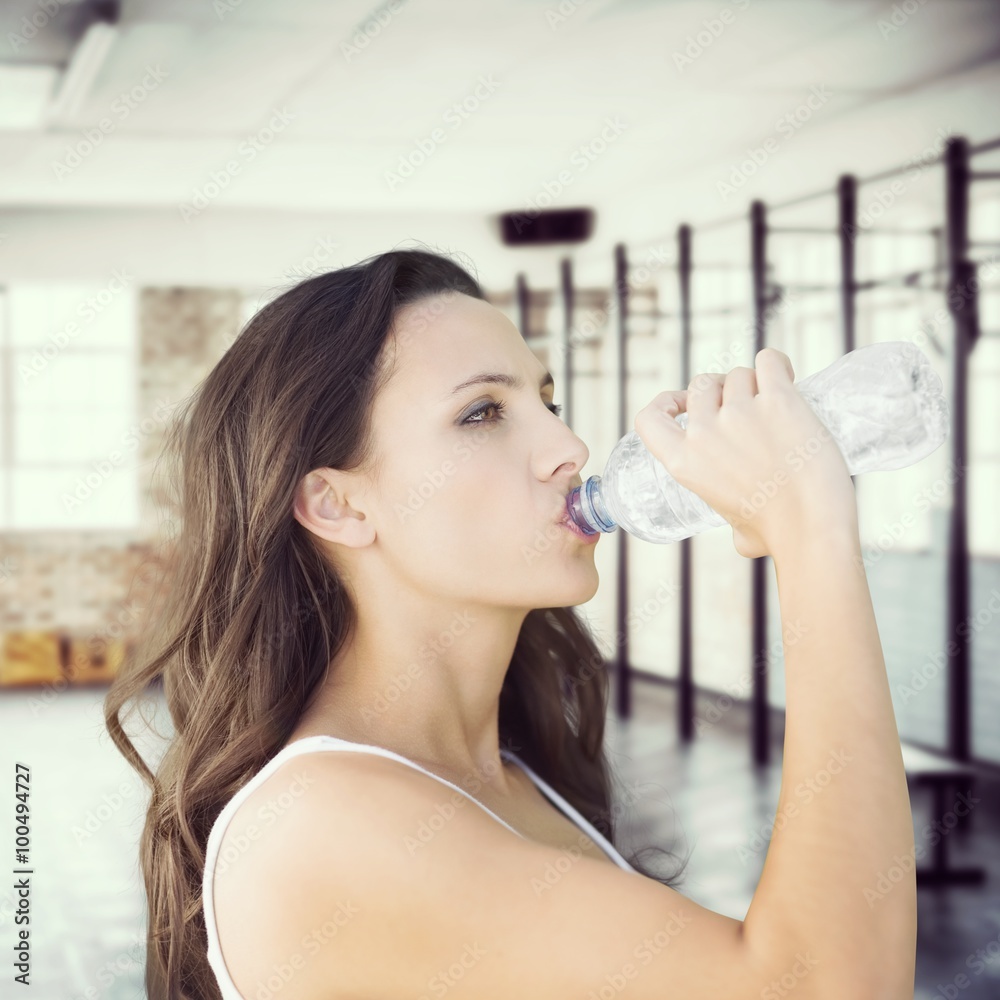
(561, 453)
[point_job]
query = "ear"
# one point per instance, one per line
(321, 505)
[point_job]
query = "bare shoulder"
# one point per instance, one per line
(344, 860)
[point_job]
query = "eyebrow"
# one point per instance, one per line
(501, 378)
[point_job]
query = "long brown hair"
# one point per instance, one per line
(248, 614)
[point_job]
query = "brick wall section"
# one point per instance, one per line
(85, 581)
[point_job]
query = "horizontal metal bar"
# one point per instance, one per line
(984, 147)
(719, 223)
(906, 278)
(721, 311)
(804, 230)
(806, 288)
(897, 231)
(985, 175)
(585, 342)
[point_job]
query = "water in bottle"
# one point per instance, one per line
(883, 404)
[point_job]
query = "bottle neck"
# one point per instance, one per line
(587, 510)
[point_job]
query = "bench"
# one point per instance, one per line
(943, 775)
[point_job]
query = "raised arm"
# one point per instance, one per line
(846, 831)
(843, 828)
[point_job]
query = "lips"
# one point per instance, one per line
(564, 516)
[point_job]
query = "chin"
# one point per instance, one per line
(582, 588)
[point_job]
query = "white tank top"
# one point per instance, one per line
(312, 743)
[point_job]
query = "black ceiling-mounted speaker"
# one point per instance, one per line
(535, 227)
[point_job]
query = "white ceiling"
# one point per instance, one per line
(230, 65)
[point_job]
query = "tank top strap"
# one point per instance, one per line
(573, 814)
(337, 743)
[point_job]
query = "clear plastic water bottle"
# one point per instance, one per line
(883, 404)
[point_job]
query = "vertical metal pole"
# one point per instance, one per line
(523, 317)
(847, 202)
(685, 679)
(566, 282)
(760, 730)
(847, 210)
(962, 305)
(622, 670)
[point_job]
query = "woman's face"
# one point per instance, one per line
(472, 481)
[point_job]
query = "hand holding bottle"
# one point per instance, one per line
(754, 451)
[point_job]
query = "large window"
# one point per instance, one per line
(70, 437)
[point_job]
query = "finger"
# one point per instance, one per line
(774, 369)
(668, 404)
(704, 395)
(657, 427)
(741, 383)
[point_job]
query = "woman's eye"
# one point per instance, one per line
(485, 408)
(476, 417)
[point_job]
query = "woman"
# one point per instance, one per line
(372, 561)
